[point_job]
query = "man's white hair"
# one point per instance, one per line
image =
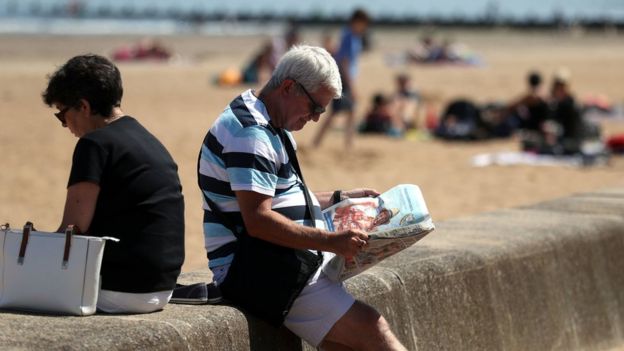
(311, 66)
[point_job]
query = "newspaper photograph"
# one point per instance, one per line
(394, 221)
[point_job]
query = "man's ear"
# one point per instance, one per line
(286, 86)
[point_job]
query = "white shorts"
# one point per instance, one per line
(319, 306)
(121, 302)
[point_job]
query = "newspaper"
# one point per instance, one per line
(394, 221)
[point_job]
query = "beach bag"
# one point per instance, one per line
(461, 120)
(56, 273)
(265, 278)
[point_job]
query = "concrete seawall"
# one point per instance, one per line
(543, 277)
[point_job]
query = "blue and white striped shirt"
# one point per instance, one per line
(242, 151)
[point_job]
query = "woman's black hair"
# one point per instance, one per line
(90, 77)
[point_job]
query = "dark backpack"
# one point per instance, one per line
(461, 121)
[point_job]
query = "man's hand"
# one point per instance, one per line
(359, 192)
(347, 243)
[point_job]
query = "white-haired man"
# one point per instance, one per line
(263, 230)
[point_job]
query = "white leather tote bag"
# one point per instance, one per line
(50, 272)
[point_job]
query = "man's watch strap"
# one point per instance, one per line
(336, 196)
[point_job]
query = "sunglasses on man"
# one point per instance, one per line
(314, 107)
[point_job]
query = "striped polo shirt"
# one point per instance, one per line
(242, 151)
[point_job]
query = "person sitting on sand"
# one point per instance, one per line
(406, 101)
(260, 66)
(566, 114)
(565, 130)
(531, 110)
(381, 120)
(263, 62)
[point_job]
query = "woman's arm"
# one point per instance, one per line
(80, 205)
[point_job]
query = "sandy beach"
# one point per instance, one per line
(178, 102)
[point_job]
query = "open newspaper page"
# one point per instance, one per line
(394, 221)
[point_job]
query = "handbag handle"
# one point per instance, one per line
(69, 232)
(25, 235)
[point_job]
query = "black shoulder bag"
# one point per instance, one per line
(265, 278)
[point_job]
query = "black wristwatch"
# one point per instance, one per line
(336, 196)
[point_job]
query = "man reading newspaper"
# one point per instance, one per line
(263, 236)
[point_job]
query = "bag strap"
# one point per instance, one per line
(69, 232)
(28, 227)
(25, 236)
(292, 157)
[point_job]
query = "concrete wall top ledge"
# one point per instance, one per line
(541, 277)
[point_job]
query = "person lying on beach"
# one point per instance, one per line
(146, 49)
(428, 50)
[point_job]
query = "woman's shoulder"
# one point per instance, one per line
(125, 130)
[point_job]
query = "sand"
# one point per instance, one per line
(178, 103)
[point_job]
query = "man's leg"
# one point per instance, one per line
(362, 328)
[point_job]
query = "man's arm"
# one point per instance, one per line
(324, 198)
(80, 205)
(263, 223)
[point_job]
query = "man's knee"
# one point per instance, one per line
(370, 325)
(374, 323)
(368, 317)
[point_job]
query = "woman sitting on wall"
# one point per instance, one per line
(123, 183)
